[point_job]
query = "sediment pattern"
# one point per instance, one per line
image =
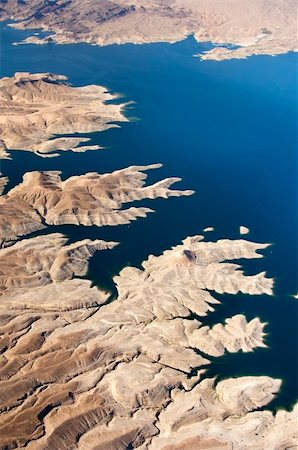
(87, 374)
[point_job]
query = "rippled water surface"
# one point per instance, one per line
(228, 130)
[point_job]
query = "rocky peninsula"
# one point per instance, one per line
(36, 108)
(43, 198)
(257, 27)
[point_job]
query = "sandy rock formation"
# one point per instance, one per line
(83, 373)
(37, 262)
(205, 263)
(237, 334)
(258, 27)
(34, 108)
(228, 424)
(91, 199)
(3, 183)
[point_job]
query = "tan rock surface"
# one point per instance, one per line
(40, 261)
(3, 183)
(91, 199)
(201, 265)
(237, 334)
(258, 27)
(77, 372)
(35, 108)
(186, 424)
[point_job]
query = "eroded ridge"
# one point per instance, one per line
(257, 27)
(222, 417)
(36, 108)
(91, 199)
(3, 183)
(32, 272)
(128, 374)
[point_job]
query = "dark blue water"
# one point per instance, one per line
(229, 130)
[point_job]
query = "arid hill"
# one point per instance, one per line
(35, 108)
(257, 26)
(91, 199)
(78, 372)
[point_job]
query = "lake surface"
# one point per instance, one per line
(228, 129)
